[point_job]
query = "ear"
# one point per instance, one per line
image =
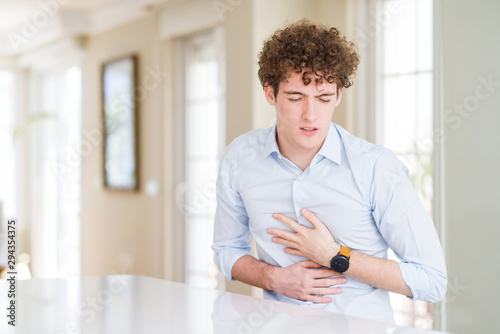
(339, 96)
(269, 93)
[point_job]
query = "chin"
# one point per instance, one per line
(311, 144)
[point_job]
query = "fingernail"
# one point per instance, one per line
(344, 280)
(275, 215)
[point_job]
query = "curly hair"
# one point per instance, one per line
(310, 47)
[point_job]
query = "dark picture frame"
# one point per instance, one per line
(120, 124)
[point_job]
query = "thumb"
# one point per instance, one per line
(310, 264)
(310, 216)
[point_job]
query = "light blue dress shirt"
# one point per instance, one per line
(359, 190)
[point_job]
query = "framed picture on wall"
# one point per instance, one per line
(120, 160)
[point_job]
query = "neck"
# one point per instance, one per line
(301, 158)
(301, 161)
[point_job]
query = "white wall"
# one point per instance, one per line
(471, 50)
(239, 76)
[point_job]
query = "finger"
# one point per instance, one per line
(311, 217)
(283, 234)
(288, 221)
(324, 273)
(285, 242)
(328, 282)
(309, 264)
(326, 291)
(318, 299)
(293, 251)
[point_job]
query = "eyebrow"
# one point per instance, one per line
(291, 92)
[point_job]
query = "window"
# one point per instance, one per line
(405, 111)
(54, 172)
(204, 137)
(7, 167)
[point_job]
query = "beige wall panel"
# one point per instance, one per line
(119, 228)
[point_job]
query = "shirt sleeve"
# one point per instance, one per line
(408, 229)
(231, 233)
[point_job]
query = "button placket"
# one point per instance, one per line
(299, 198)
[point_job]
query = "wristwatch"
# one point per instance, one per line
(340, 262)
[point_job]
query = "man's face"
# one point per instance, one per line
(303, 114)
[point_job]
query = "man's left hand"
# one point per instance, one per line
(316, 244)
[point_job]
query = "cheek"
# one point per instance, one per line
(291, 109)
(328, 111)
(284, 114)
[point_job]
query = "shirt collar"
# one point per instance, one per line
(330, 148)
(271, 145)
(331, 145)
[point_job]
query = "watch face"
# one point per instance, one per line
(339, 264)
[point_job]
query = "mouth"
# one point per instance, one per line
(309, 130)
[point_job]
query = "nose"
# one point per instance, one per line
(308, 111)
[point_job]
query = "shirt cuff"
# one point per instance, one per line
(426, 285)
(227, 259)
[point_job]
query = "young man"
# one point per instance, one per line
(322, 205)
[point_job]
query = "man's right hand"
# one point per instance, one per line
(304, 281)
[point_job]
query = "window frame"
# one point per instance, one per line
(216, 35)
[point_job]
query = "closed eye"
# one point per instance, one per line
(297, 100)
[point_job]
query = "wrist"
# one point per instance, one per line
(270, 275)
(329, 254)
(349, 270)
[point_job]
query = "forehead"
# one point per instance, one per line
(295, 82)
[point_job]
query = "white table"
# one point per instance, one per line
(135, 304)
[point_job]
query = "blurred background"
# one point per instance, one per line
(427, 87)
